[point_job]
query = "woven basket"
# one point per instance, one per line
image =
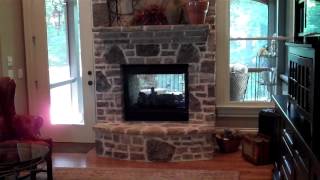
(238, 85)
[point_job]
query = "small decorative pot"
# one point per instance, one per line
(197, 11)
(228, 145)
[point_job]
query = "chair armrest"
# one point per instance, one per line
(27, 127)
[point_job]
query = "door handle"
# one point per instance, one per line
(89, 73)
(90, 83)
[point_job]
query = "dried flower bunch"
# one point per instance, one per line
(152, 15)
(230, 134)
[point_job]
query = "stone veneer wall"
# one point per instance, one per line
(166, 44)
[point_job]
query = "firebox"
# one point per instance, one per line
(156, 92)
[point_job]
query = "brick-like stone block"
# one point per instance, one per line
(174, 46)
(168, 53)
(210, 117)
(99, 147)
(153, 60)
(181, 150)
(107, 136)
(133, 148)
(137, 140)
(122, 147)
(194, 104)
(102, 84)
(187, 156)
(113, 35)
(159, 151)
(120, 155)
(211, 91)
(127, 46)
(100, 112)
(125, 139)
(102, 104)
(109, 145)
(201, 95)
(193, 88)
(135, 60)
(147, 50)
(207, 67)
(130, 53)
(188, 54)
(202, 33)
(116, 138)
(108, 153)
(100, 15)
(198, 156)
(207, 148)
(186, 138)
(115, 56)
(208, 109)
(164, 46)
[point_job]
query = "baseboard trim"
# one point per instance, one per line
(240, 111)
(242, 130)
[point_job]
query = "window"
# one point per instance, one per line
(251, 62)
(62, 19)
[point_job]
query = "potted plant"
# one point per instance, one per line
(228, 141)
(197, 11)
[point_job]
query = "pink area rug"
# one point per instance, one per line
(141, 174)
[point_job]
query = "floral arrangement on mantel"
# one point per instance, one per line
(152, 15)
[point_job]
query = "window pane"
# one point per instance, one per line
(246, 51)
(251, 66)
(63, 58)
(57, 38)
(248, 18)
(63, 110)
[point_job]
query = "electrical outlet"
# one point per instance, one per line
(20, 73)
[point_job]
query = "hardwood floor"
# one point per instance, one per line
(233, 161)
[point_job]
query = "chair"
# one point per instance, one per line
(15, 127)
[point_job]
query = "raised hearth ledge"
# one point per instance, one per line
(155, 128)
(155, 142)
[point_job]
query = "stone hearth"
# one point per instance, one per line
(155, 142)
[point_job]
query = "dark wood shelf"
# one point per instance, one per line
(296, 159)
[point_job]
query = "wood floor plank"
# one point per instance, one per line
(232, 161)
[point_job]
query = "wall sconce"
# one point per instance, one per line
(57, 12)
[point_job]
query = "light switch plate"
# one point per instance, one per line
(10, 61)
(11, 73)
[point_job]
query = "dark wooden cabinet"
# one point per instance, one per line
(299, 131)
(295, 160)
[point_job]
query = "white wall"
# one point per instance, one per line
(12, 44)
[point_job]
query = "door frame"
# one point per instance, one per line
(38, 73)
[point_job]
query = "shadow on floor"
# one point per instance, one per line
(59, 147)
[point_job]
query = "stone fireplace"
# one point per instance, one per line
(175, 44)
(164, 139)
